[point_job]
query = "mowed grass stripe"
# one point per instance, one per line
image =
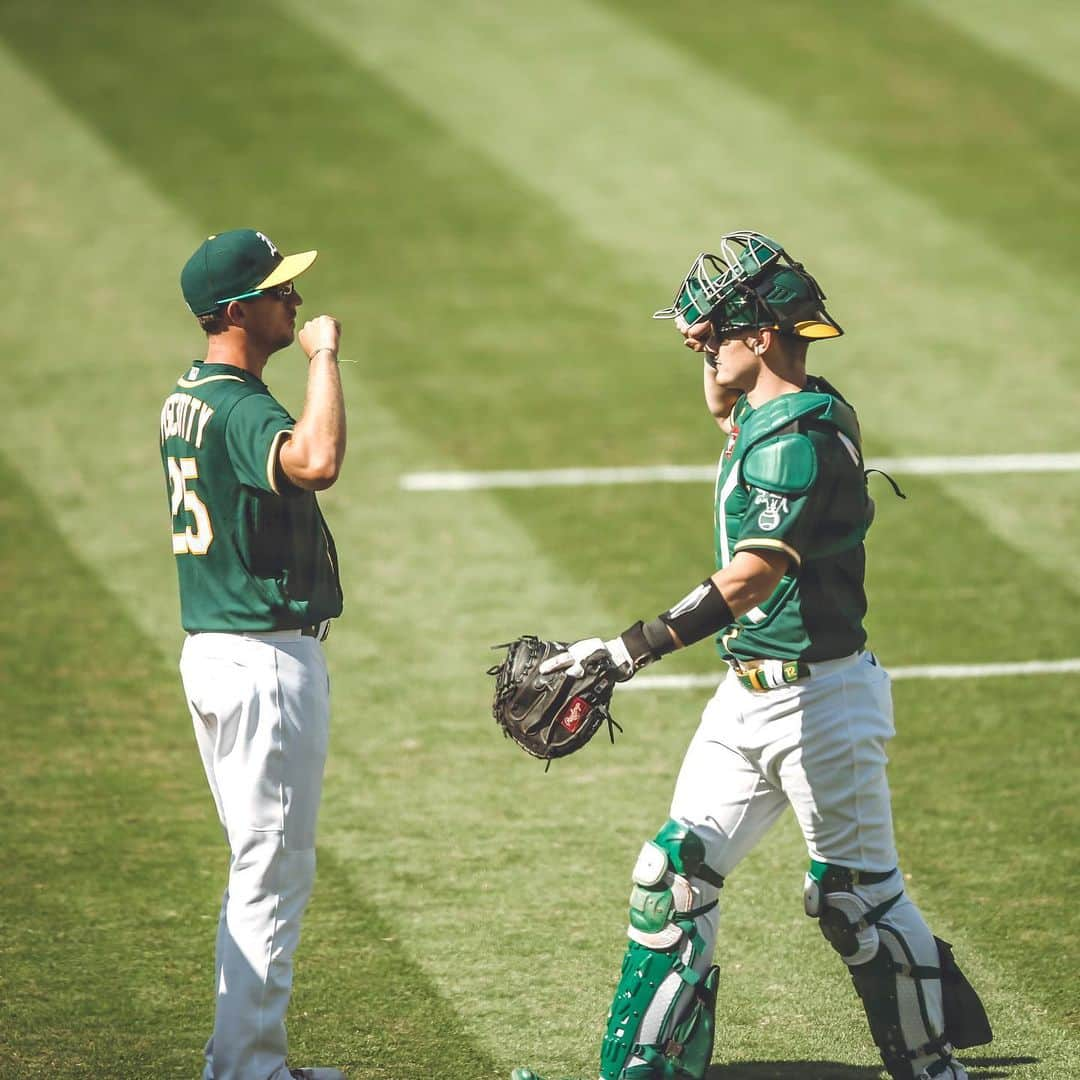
(1044, 37)
(474, 287)
(114, 863)
(930, 308)
(988, 140)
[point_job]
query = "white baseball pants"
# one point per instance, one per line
(260, 705)
(820, 746)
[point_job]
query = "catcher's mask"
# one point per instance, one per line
(752, 283)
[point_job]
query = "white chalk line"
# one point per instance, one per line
(694, 474)
(923, 671)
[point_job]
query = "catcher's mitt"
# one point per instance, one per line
(551, 715)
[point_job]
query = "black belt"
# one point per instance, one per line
(314, 631)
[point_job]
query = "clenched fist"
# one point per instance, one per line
(322, 332)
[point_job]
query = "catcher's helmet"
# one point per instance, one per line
(752, 283)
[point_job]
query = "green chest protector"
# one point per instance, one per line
(779, 458)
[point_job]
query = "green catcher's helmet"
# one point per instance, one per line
(752, 283)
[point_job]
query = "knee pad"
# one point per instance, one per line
(661, 1019)
(663, 892)
(846, 919)
(842, 920)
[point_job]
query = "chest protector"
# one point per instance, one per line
(776, 456)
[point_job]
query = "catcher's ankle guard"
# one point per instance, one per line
(661, 1019)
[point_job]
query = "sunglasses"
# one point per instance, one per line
(280, 292)
(724, 333)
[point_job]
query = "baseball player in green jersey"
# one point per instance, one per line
(258, 587)
(802, 717)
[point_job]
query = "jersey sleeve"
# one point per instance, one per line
(254, 431)
(780, 519)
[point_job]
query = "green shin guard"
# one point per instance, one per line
(686, 1053)
(691, 1047)
(661, 1022)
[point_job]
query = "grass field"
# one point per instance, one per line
(501, 195)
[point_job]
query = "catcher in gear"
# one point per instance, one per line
(551, 710)
(802, 716)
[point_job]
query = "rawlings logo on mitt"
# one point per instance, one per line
(555, 714)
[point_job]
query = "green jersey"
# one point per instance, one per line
(791, 479)
(252, 551)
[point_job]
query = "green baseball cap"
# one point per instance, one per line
(237, 265)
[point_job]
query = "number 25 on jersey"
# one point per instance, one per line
(189, 541)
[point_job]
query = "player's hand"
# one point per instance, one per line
(694, 336)
(322, 332)
(573, 660)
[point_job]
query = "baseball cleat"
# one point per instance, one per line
(317, 1074)
(953, 1070)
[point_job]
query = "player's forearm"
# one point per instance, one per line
(313, 456)
(747, 581)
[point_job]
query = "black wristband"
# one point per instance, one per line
(700, 614)
(646, 642)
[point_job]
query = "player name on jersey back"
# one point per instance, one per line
(185, 416)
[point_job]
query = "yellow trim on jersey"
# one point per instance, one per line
(188, 383)
(272, 458)
(773, 545)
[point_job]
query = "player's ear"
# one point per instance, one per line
(767, 336)
(236, 313)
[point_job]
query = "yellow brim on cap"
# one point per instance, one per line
(292, 266)
(815, 330)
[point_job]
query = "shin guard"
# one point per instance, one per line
(894, 964)
(661, 1021)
